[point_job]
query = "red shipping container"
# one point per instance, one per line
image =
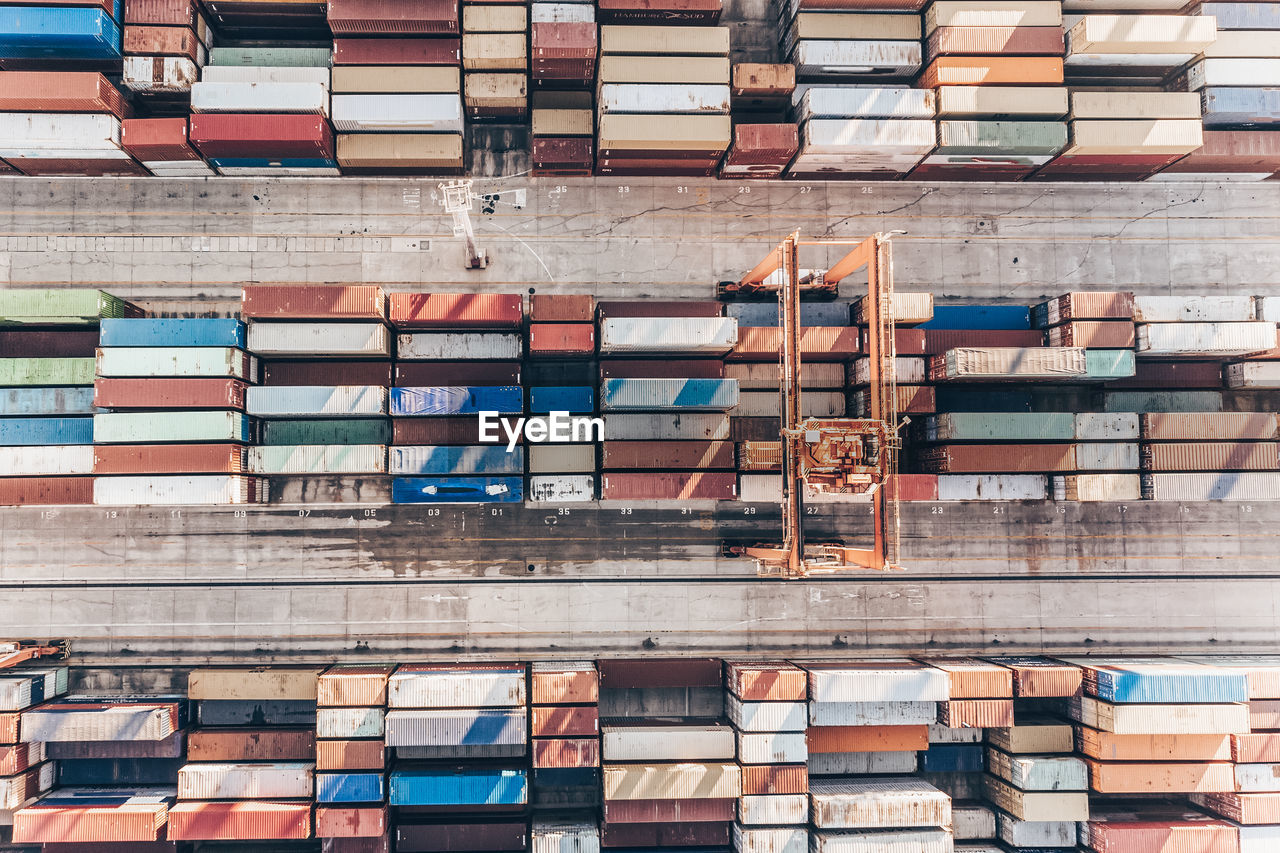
(699, 834)
(157, 139)
(567, 40)
(564, 721)
(760, 150)
(401, 17)
(491, 835)
(997, 458)
(350, 755)
(938, 341)
(1147, 830)
(171, 13)
(761, 779)
(168, 459)
(38, 824)
(562, 308)
(984, 41)
(817, 343)
(240, 821)
(1185, 375)
(562, 338)
(970, 172)
(566, 752)
(701, 368)
(430, 51)
(917, 487)
(912, 399)
(659, 308)
(1233, 151)
(42, 343)
(355, 845)
(668, 485)
(668, 455)
(45, 491)
(16, 758)
(60, 92)
(411, 373)
(313, 301)
(563, 155)
(444, 430)
(628, 673)
(156, 393)
(350, 822)
(568, 686)
(766, 681)
(113, 847)
(354, 686)
(93, 168)
(905, 341)
(691, 810)
(1256, 748)
(1098, 334)
(330, 373)
(664, 12)
(261, 136)
(162, 41)
(455, 310)
(249, 744)
(1042, 678)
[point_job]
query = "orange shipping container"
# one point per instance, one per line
(240, 821)
(1212, 456)
(1113, 747)
(1248, 809)
(350, 755)
(767, 681)
(867, 738)
(992, 70)
(455, 310)
(353, 686)
(1256, 748)
(1107, 777)
(564, 686)
(1155, 831)
(348, 822)
(168, 459)
(1042, 678)
(313, 301)
(817, 343)
(566, 752)
(565, 721)
(971, 678)
(761, 779)
(134, 821)
(9, 727)
(1104, 334)
(1264, 714)
(1209, 426)
(976, 713)
(246, 744)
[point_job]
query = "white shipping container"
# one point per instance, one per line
(872, 713)
(563, 13)
(159, 73)
(318, 459)
(260, 98)
(908, 370)
(666, 743)
(945, 734)
(970, 822)
(760, 488)
(125, 722)
(1255, 778)
(265, 74)
(1233, 72)
(1131, 105)
(1166, 136)
(328, 340)
(1208, 177)
(457, 728)
(184, 362)
(664, 427)
(59, 131)
(280, 171)
(766, 716)
(234, 781)
(427, 113)
(198, 490)
(1159, 719)
(864, 102)
(15, 693)
(1039, 772)
(14, 789)
(550, 836)
(1267, 307)
(349, 723)
(773, 809)
(469, 346)
(1150, 34)
(888, 802)
(992, 13)
(1002, 102)
(1193, 309)
(456, 687)
(1259, 839)
(46, 461)
(882, 841)
(562, 488)
(672, 781)
(1122, 456)
(861, 763)
(300, 401)
(178, 168)
(1107, 426)
(813, 57)
(1254, 374)
(772, 748)
(898, 137)
(789, 839)
(662, 98)
(1205, 338)
(1036, 833)
(1097, 487)
(992, 487)
(1212, 486)
(45, 153)
(712, 335)
(895, 680)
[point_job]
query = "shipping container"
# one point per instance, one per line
(455, 460)
(887, 802)
(397, 52)
(198, 490)
(319, 340)
(239, 821)
(667, 486)
(458, 788)
(457, 490)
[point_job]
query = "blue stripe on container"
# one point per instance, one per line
(172, 332)
(34, 32)
(27, 432)
(952, 758)
(269, 163)
(1120, 685)
(622, 395)
(979, 317)
(444, 490)
(46, 401)
(441, 460)
(561, 398)
(456, 400)
(463, 788)
(349, 787)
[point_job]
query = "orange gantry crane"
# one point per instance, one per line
(849, 456)
(14, 652)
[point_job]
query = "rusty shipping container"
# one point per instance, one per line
(760, 150)
(351, 822)
(566, 752)
(1099, 334)
(60, 92)
(163, 41)
(1208, 426)
(659, 672)
(169, 459)
(313, 302)
(562, 308)
(251, 744)
(350, 755)
(564, 721)
(701, 834)
(668, 485)
(554, 683)
(1042, 678)
(158, 393)
(766, 681)
(998, 458)
(676, 810)
(659, 308)
(169, 13)
(761, 779)
(1212, 456)
(667, 455)
(976, 713)
(239, 820)
(45, 491)
(387, 51)
(562, 338)
(353, 686)
(455, 310)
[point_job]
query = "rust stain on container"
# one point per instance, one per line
(44, 491)
(318, 302)
(168, 459)
(759, 779)
(976, 713)
(350, 822)
(246, 744)
(692, 810)
(350, 755)
(667, 455)
(565, 721)
(160, 393)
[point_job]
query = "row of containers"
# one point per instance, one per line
(867, 90)
(930, 755)
(348, 394)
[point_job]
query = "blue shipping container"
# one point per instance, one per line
(462, 788)
(1177, 685)
(457, 490)
(437, 459)
(562, 398)
(750, 314)
(1232, 106)
(268, 163)
(456, 400)
(966, 400)
(27, 432)
(952, 758)
(172, 332)
(979, 317)
(349, 787)
(636, 395)
(46, 401)
(1243, 16)
(34, 32)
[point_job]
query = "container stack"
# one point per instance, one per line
(351, 811)
(56, 38)
(563, 49)
(441, 456)
(61, 122)
(100, 726)
(830, 42)
(460, 735)
(666, 429)
(997, 69)
(914, 396)
(862, 132)
(24, 773)
(164, 147)
(250, 774)
(760, 98)
(869, 718)
(47, 341)
(662, 103)
(171, 427)
(565, 724)
(166, 43)
(767, 708)
(1212, 327)
(397, 85)
(562, 339)
(326, 356)
(495, 61)
(1209, 455)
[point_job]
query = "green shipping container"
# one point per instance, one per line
(45, 372)
(170, 427)
(1110, 363)
(292, 57)
(1008, 138)
(326, 431)
(61, 307)
(1001, 426)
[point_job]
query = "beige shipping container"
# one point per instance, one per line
(400, 150)
(1039, 805)
(672, 781)
(1135, 105)
(1033, 736)
(495, 52)
(671, 41)
(255, 684)
(393, 79)
(1159, 719)
(563, 122)
(506, 18)
(664, 69)
(1000, 101)
(1142, 136)
(507, 91)
(1142, 34)
(1244, 44)
(992, 13)
(854, 25)
(664, 132)
(562, 458)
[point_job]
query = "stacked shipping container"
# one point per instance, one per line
(565, 726)
(351, 811)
